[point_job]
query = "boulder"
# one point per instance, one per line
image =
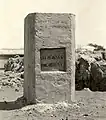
(98, 76)
(82, 76)
(15, 64)
(90, 70)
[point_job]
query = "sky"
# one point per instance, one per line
(90, 19)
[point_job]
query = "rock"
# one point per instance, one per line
(82, 74)
(12, 80)
(17, 89)
(98, 75)
(90, 70)
(15, 64)
(87, 89)
(5, 83)
(104, 55)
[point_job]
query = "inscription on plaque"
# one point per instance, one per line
(53, 59)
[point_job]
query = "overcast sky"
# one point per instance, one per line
(90, 19)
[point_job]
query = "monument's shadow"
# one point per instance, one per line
(12, 105)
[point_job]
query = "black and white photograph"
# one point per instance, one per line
(52, 60)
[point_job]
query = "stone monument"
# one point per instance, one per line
(49, 57)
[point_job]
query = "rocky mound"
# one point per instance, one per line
(11, 79)
(15, 64)
(58, 111)
(90, 70)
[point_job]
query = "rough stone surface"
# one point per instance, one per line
(90, 70)
(14, 64)
(49, 30)
(98, 76)
(10, 79)
(82, 74)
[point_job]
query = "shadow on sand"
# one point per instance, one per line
(12, 105)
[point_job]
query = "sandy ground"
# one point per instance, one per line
(88, 106)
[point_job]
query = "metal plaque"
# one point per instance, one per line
(53, 59)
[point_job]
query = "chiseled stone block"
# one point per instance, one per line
(49, 54)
